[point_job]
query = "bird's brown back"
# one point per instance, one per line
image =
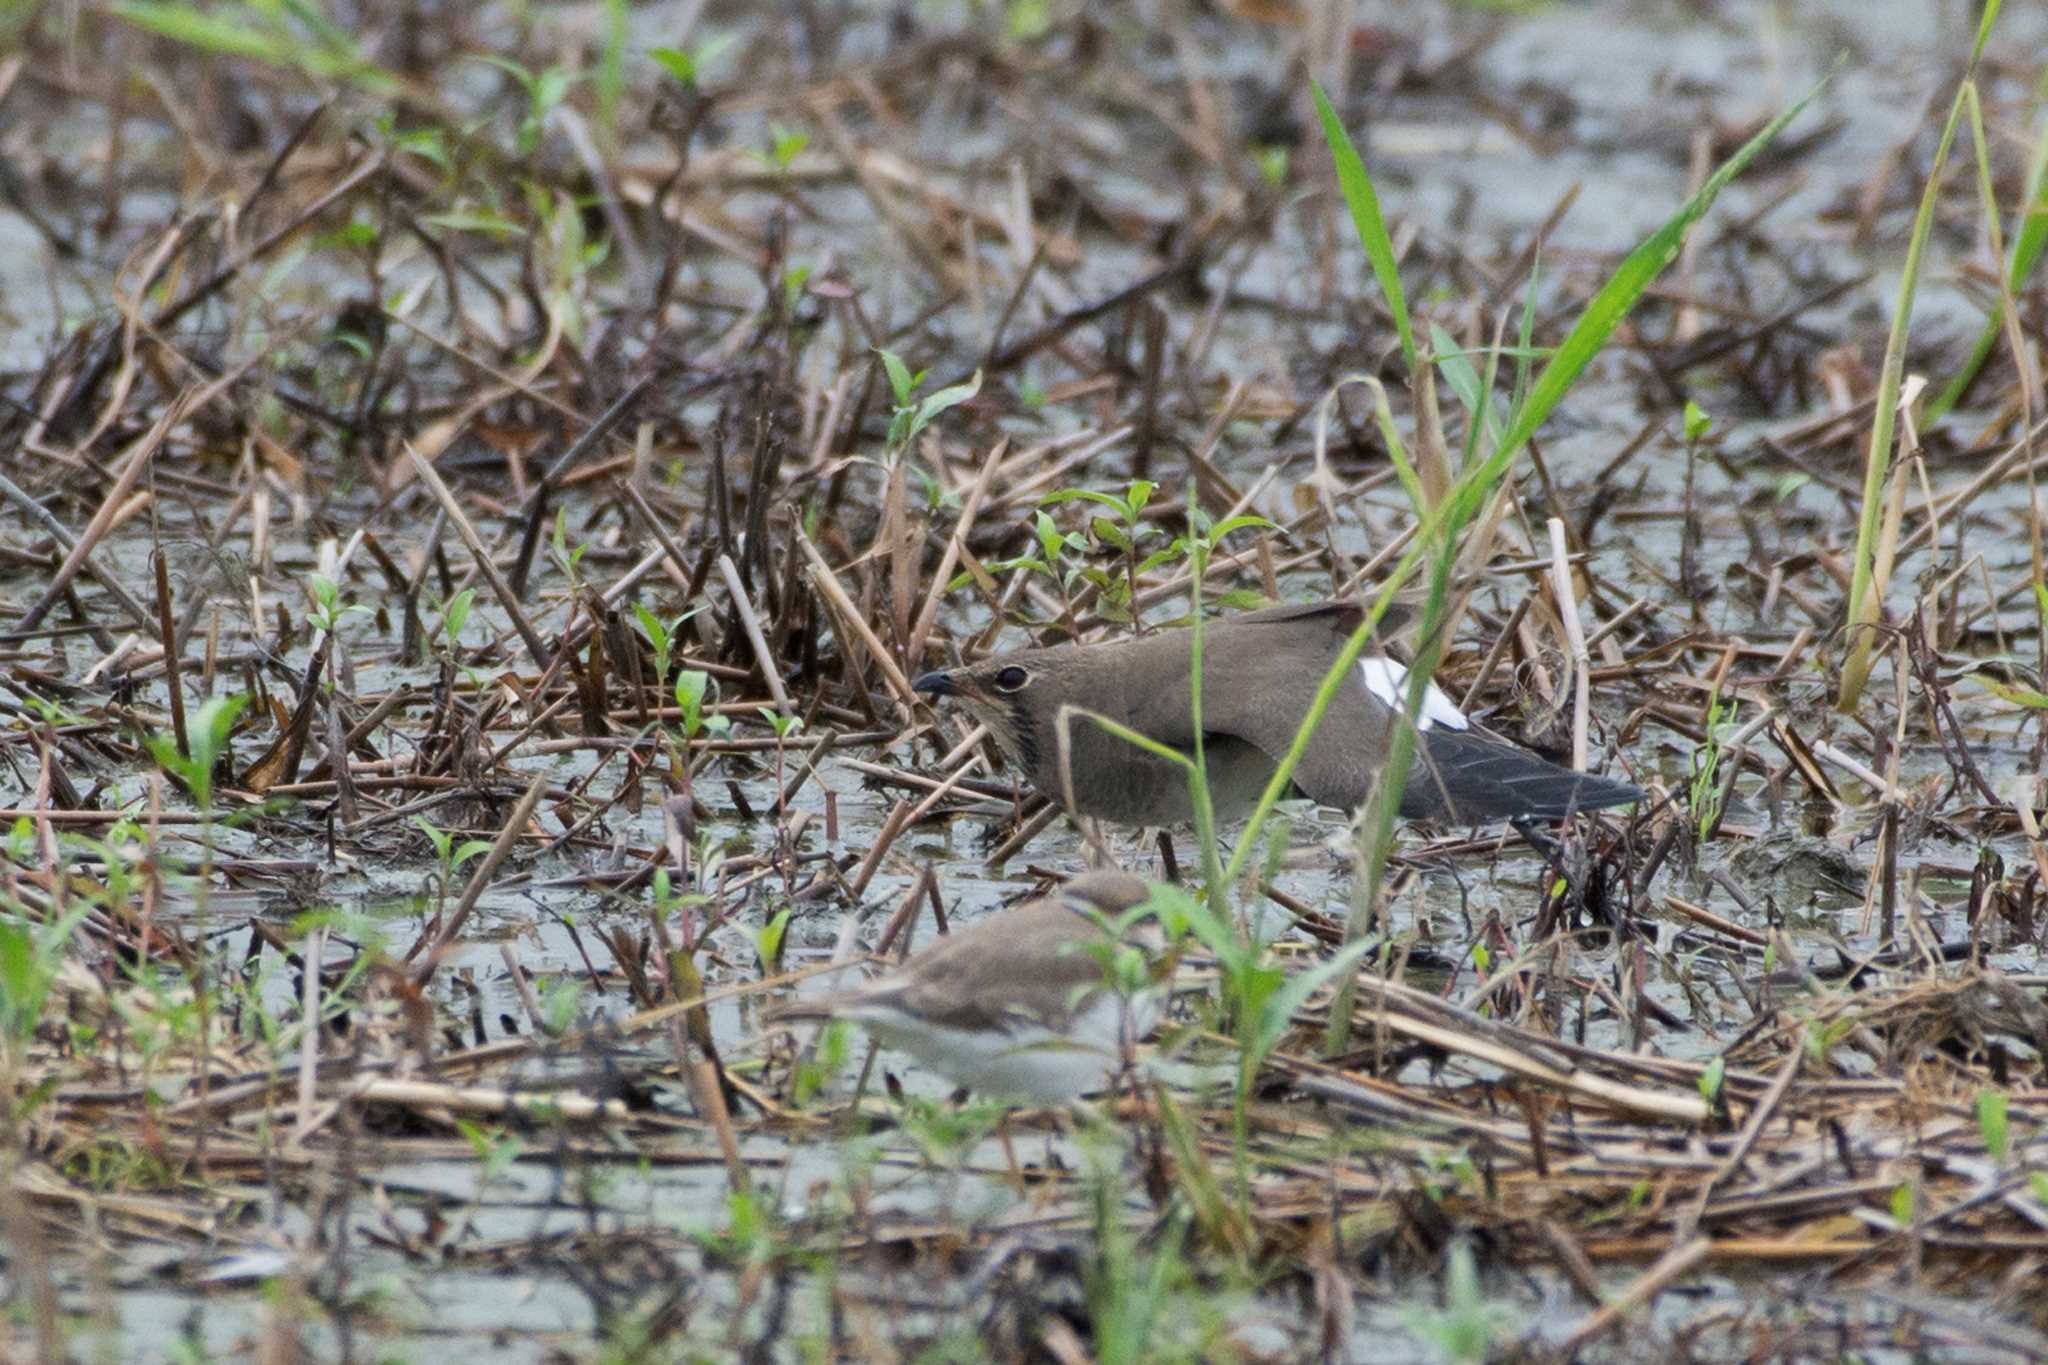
(1260, 673)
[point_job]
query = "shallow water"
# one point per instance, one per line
(1604, 97)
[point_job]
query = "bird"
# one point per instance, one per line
(1260, 674)
(1020, 1004)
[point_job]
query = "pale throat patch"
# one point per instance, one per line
(1388, 681)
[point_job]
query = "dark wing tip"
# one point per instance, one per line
(1462, 777)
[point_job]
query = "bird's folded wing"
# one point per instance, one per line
(1027, 962)
(1260, 675)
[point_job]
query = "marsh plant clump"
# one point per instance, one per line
(480, 485)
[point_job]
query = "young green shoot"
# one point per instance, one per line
(913, 414)
(1991, 1123)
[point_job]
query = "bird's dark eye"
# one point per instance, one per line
(1011, 679)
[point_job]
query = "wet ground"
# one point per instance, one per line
(969, 180)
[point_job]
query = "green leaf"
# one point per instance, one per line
(785, 144)
(1855, 669)
(560, 539)
(793, 284)
(29, 964)
(1464, 380)
(688, 67)
(1710, 1079)
(20, 989)
(1245, 522)
(691, 685)
(1697, 423)
(769, 941)
(1364, 204)
(678, 63)
(1050, 542)
(475, 220)
(900, 382)
(352, 236)
(216, 33)
(1280, 1008)
(559, 997)
(2011, 692)
(266, 33)
(552, 87)
(1525, 352)
(1089, 494)
(455, 614)
(208, 735)
(1991, 1106)
(511, 68)
(325, 591)
(937, 403)
(440, 838)
(661, 636)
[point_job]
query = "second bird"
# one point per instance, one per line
(1260, 673)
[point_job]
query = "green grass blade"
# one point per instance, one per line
(1883, 420)
(1985, 23)
(1465, 381)
(227, 37)
(2029, 238)
(1365, 217)
(1523, 351)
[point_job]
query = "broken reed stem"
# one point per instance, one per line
(309, 1038)
(897, 821)
(913, 652)
(1575, 638)
(1670, 1267)
(751, 625)
(651, 522)
(479, 555)
(853, 621)
(131, 463)
(1026, 832)
(173, 681)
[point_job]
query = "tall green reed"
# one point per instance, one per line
(1871, 563)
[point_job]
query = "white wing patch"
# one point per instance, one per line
(1388, 681)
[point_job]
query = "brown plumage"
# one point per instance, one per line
(1259, 676)
(1015, 1003)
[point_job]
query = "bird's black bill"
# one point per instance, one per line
(938, 684)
